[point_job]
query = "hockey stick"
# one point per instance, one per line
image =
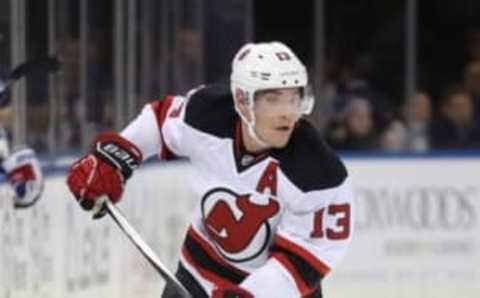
(143, 247)
(46, 64)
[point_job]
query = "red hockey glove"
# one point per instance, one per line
(104, 171)
(231, 292)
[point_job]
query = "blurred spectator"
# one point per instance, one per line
(335, 132)
(455, 126)
(354, 129)
(91, 111)
(418, 114)
(394, 138)
(187, 56)
(5, 107)
(354, 83)
(473, 45)
(3, 84)
(6, 112)
(69, 54)
(471, 80)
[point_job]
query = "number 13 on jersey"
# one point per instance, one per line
(340, 229)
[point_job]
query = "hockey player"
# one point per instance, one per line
(275, 205)
(21, 168)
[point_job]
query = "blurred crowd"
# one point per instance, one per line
(360, 117)
(361, 104)
(355, 114)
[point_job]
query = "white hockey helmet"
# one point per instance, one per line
(264, 66)
(272, 65)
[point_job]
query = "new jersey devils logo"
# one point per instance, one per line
(238, 223)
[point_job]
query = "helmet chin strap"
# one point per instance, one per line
(253, 134)
(251, 127)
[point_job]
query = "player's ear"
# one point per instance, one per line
(241, 103)
(240, 97)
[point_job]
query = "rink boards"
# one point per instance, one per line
(417, 230)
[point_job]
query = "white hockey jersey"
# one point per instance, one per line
(276, 223)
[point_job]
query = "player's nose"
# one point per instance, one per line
(288, 110)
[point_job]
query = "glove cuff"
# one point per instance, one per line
(118, 152)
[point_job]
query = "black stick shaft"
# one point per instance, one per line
(144, 248)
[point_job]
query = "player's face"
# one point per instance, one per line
(276, 113)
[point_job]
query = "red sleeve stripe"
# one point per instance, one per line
(160, 108)
(319, 265)
(301, 285)
(238, 138)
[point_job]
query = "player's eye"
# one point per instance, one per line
(272, 99)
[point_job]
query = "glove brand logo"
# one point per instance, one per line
(24, 157)
(239, 224)
(114, 150)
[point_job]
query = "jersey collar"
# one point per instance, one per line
(243, 158)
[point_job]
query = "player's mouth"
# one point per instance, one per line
(283, 128)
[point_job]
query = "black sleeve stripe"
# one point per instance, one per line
(211, 110)
(204, 260)
(310, 276)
